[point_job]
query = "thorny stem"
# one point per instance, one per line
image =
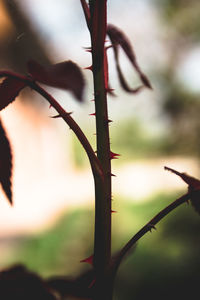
(102, 243)
(148, 227)
(86, 12)
(94, 161)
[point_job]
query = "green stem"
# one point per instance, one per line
(102, 243)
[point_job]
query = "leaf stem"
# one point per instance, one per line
(117, 259)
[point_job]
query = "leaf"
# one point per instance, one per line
(193, 185)
(9, 90)
(17, 282)
(5, 163)
(118, 38)
(65, 75)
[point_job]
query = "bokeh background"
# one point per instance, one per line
(50, 226)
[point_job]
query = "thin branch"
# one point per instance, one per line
(94, 161)
(86, 11)
(148, 227)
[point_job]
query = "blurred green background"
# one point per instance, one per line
(148, 126)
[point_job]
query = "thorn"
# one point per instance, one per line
(111, 174)
(87, 49)
(59, 116)
(88, 260)
(113, 211)
(88, 68)
(93, 114)
(55, 117)
(50, 106)
(107, 121)
(109, 90)
(151, 226)
(114, 155)
(92, 100)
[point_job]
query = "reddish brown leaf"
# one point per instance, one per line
(118, 38)
(65, 75)
(5, 163)
(193, 184)
(9, 90)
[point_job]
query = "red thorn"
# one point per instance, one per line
(88, 260)
(94, 114)
(50, 106)
(88, 68)
(92, 100)
(109, 90)
(113, 211)
(114, 155)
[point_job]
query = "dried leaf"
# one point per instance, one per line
(65, 75)
(118, 38)
(5, 163)
(9, 90)
(193, 185)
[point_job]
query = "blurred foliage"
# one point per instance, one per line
(180, 104)
(164, 265)
(183, 110)
(54, 252)
(183, 15)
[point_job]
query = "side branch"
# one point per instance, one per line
(86, 11)
(148, 227)
(94, 161)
